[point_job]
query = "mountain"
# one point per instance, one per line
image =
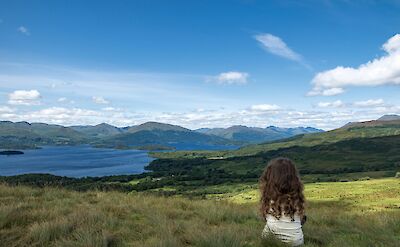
(256, 135)
(389, 118)
(384, 121)
(366, 129)
(31, 135)
(155, 126)
(100, 130)
(153, 133)
(21, 135)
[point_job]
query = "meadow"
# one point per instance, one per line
(359, 213)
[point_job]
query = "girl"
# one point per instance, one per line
(282, 201)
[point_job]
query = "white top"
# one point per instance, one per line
(285, 229)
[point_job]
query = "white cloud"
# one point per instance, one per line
(370, 103)
(111, 109)
(6, 109)
(24, 30)
(100, 100)
(277, 46)
(61, 115)
(334, 104)
(24, 97)
(326, 92)
(62, 99)
(381, 71)
(264, 107)
(259, 116)
(231, 77)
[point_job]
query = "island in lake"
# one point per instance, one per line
(11, 152)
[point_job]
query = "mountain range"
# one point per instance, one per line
(31, 135)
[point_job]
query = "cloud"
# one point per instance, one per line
(264, 107)
(6, 109)
(334, 104)
(62, 99)
(24, 30)
(111, 109)
(60, 115)
(369, 103)
(100, 100)
(381, 71)
(256, 115)
(24, 97)
(231, 77)
(277, 46)
(326, 92)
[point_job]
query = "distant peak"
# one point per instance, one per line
(104, 125)
(156, 126)
(389, 117)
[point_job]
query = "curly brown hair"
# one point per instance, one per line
(281, 189)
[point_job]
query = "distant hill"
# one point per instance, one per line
(100, 130)
(153, 133)
(389, 118)
(155, 126)
(367, 129)
(22, 135)
(31, 135)
(257, 135)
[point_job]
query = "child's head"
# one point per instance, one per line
(281, 189)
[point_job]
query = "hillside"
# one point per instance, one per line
(368, 129)
(389, 117)
(150, 126)
(31, 135)
(98, 131)
(23, 135)
(173, 138)
(257, 135)
(358, 214)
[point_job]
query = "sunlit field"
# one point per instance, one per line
(360, 213)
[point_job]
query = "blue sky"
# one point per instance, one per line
(199, 63)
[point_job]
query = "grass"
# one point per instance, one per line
(361, 213)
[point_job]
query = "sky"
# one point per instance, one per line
(287, 63)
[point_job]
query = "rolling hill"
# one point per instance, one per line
(153, 133)
(21, 135)
(257, 135)
(98, 131)
(367, 129)
(31, 135)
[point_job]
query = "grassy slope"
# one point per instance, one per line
(339, 214)
(307, 140)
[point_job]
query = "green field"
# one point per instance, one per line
(361, 213)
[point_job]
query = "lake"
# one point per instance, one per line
(83, 161)
(75, 161)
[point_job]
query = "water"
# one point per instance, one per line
(75, 161)
(83, 161)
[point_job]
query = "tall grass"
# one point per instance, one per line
(56, 217)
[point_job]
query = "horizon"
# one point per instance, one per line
(128, 126)
(321, 64)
